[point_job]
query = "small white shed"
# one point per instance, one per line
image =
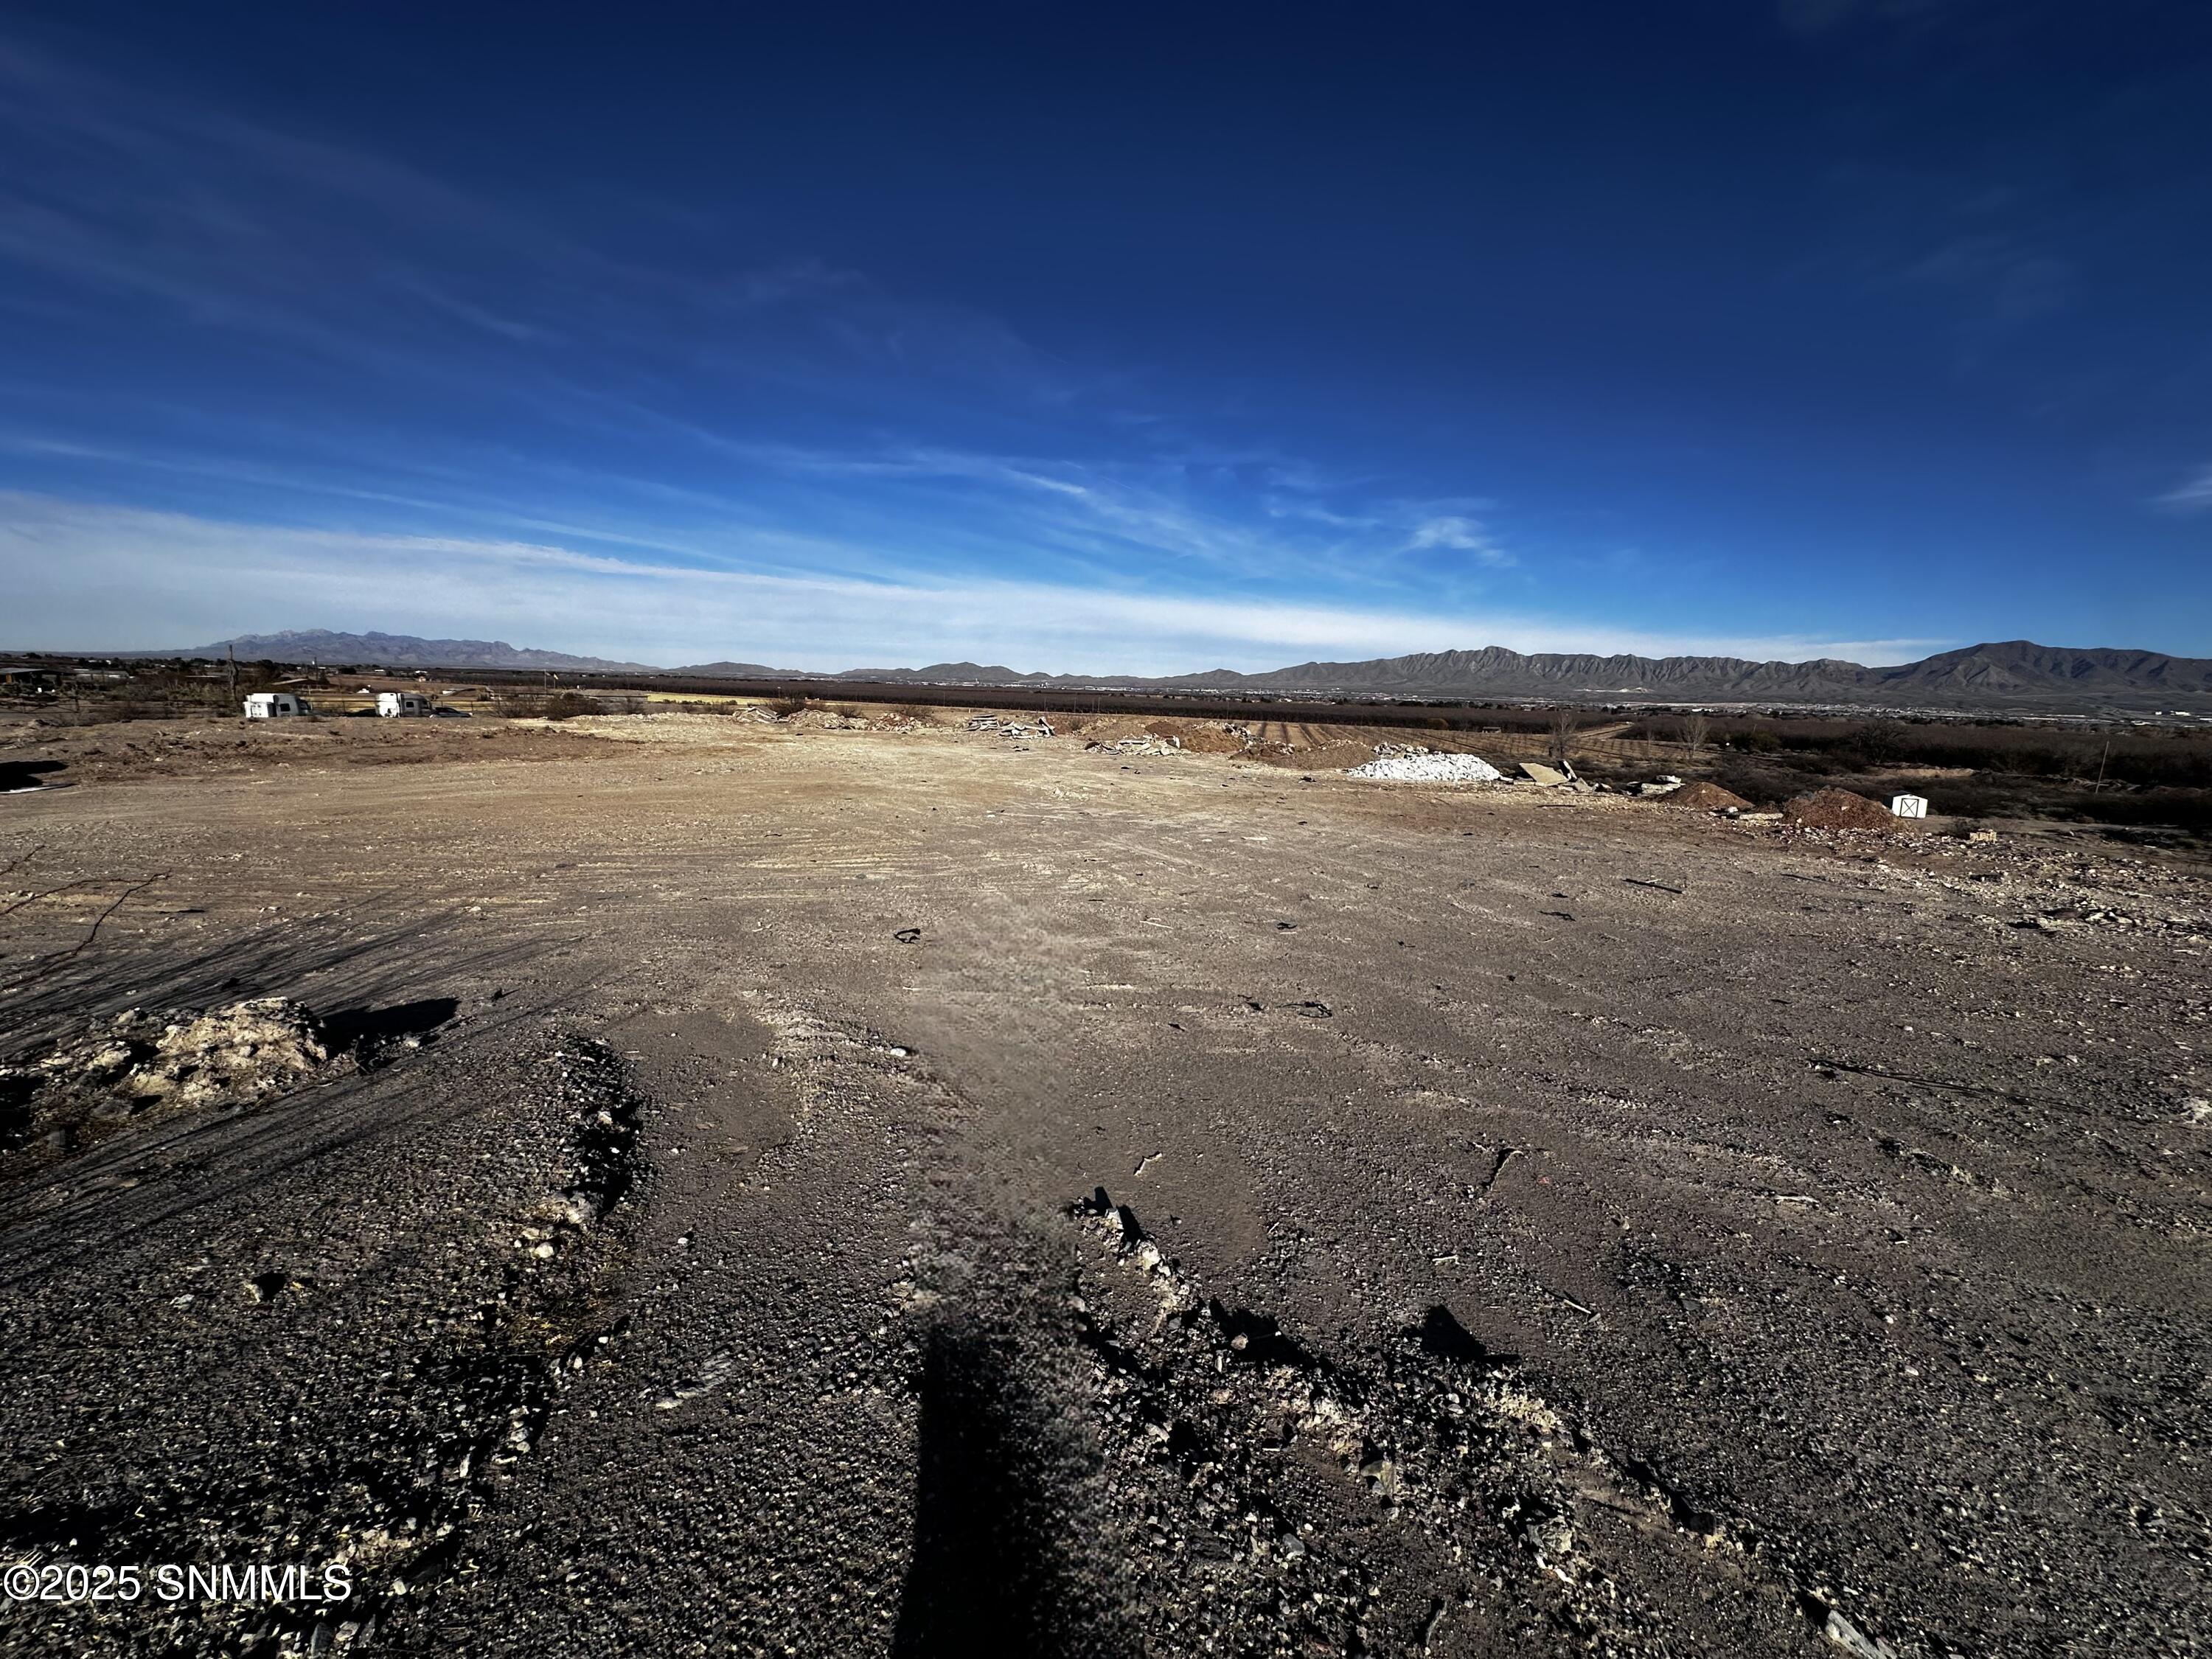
(274, 705)
(1909, 806)
(403, 705)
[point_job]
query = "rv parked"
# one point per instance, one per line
(276, 705)
(404, 705)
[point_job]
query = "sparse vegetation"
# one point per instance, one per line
(1564, 723)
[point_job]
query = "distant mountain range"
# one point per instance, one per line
(2014, 674)
(2011, 671)
(320, 645)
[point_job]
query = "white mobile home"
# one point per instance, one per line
(276, 705)
(403, 705)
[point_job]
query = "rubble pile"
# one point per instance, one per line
(138, 1062)
(1411, 763)
(1040, 727)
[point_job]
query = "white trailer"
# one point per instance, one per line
(276, 705)
(404, 705)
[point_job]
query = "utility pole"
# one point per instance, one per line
(234, 670)
(2102, 759)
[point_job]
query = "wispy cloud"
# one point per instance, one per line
(2193, 495)
(136, 190)
(2011, 282)
(168, 578)
(1461, 534)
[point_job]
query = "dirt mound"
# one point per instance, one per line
(1327, 757)
(1109, 728)
(1837, 809)
(138, 1062)
(1706, 798)
(1206, 736)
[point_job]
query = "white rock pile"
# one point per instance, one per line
(1416, 765)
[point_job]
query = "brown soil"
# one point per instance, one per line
(1837, 809)
(1532, 1224)
(1200, 736)
(1702, 797)
(200, 749)
(1322, 757)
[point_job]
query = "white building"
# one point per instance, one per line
(275, 705)
(1909, 806)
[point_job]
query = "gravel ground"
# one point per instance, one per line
(846, 1192)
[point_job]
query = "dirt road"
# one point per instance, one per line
(836, 1193)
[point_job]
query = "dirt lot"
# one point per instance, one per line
(746, 1190)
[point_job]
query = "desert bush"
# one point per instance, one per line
(1564, 723)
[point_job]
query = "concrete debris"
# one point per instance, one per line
(1854, 1641)
(1414, 764)
(137, 1062)
(139, 1065)
(1537, 772)
(1039, 727)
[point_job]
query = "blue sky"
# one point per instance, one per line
(1136, 337)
